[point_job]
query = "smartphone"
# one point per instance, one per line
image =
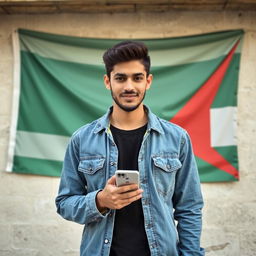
(125, 177)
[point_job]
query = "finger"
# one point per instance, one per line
(112, 180)
(130, 200)
(130, 194)
(126, 188)
(122, 203)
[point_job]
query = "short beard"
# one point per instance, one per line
(126, 108)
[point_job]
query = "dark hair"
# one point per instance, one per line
(126, 51)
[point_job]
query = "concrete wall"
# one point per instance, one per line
(28, 222)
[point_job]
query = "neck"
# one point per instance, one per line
(128, 120)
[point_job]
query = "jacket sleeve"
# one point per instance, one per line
(73, 202)
(188, 202)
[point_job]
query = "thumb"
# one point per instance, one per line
(112, 180)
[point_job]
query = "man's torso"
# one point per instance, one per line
(158, 161)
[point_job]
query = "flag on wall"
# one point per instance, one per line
(58, 87)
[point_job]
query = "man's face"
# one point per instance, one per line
(128, 84)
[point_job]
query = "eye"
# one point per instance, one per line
(120, 78)
(138, 78)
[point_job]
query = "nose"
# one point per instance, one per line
(129, 85)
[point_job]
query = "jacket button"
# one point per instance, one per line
(152, 246)
(112, 163)
(149, 226)
(106, 241)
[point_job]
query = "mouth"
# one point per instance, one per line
(129, 95)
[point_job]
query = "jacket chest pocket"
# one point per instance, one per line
(164, 171)
(93, 170)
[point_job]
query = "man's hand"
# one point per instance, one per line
(113, 197)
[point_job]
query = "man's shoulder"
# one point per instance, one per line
(173, 132)
(86, 129)
(171, 128)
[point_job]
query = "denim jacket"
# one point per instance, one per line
(168, 176)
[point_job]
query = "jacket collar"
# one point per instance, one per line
(153, 122)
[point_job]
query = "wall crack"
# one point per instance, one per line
(216, 247)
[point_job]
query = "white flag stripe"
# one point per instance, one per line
(40, 145)
(223, 126)
(170, 57)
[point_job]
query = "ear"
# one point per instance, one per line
(149, 81)
(107, 82)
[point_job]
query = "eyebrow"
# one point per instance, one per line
(123, 74)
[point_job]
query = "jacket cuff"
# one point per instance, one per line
(94, 212)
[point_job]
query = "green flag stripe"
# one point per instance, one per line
(230, 153)
(159, 57)
(208, 173)
(227, 93)
(41, 146)
(36, 166)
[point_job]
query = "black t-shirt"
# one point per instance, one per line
(129, 236)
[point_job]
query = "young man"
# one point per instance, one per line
(132, 220)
